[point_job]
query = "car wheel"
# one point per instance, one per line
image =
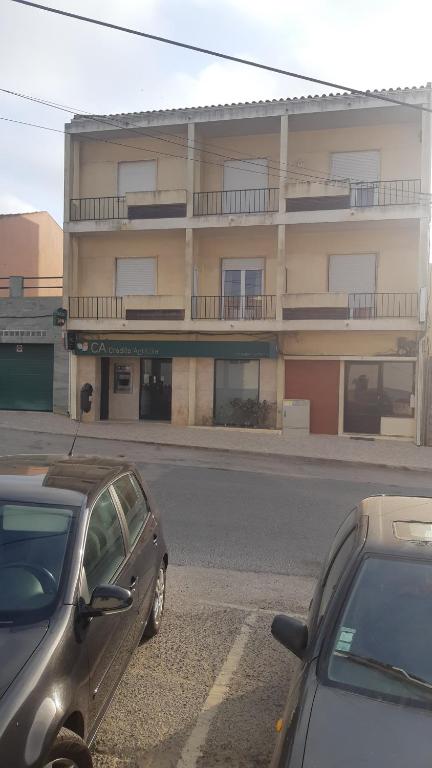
(69, 751)
(155, 618)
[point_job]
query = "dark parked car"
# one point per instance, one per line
(82, 578)
(361, 694)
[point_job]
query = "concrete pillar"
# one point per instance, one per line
(280, 270)
(283, 162)
(16, 287)
(188, 271)
(192, 390)
(190, 176)
(73, 376)
(280, 390)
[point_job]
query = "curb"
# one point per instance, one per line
(240, 452)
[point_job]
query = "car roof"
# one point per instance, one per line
(57, 479)
(399, 525)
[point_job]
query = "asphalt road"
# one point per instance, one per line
(246, 535)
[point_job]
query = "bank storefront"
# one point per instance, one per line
(184, 380)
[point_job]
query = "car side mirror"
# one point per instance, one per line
(106, 599)
(292, 633)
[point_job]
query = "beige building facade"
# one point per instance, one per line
(223, 262)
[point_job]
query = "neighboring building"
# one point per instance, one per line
(222, 256)
(33, 361)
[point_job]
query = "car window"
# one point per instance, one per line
(382, 641)
(34, 544)
(105, 548)
(336, 571)
(133, 503)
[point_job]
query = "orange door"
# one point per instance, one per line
(317, 381)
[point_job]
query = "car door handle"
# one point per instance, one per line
(133, 583)
(155, 539)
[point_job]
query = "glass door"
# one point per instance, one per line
(241, 294)
(376, 390)
(155, 389)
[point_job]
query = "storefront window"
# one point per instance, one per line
(374, 390)
(236, 392)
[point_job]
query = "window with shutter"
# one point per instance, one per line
(243, 182)
(355, 274)
(362, 169)
(137, 176)
(135, 277)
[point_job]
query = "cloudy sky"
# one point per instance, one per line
(368, 44)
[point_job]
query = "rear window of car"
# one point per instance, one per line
(382, 643)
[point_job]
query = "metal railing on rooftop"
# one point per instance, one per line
(16, 286)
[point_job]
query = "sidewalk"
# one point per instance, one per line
(392, 453)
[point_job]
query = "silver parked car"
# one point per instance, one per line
(361, 694)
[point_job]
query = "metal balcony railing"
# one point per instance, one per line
(233, 307)
(98, 208)
(397, 192)
(96, 307)
(236, 201)
(383, 305)
(17, 286)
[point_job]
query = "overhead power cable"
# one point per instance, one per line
(273, 171)
(415, 196)
(219, 55)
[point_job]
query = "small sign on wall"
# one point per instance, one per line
(19, 347)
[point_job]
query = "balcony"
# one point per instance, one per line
(350, 306)
(134, 205)
(127, 307)
(330, 195)
(233, 307)
(236, 201)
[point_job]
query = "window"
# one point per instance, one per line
(336, 572)
(381, 646)
(377, 389)
(242, 288)
(138, 176)
(34, 541)
(363, 167)
(355, 274)
(104, 550)
(133, 503)
(236, 391)
(136, 277)
(243, 182)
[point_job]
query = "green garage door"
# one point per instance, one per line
(26, 377)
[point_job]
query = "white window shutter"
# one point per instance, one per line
(136, 277)
(138, 176)
(356, 166)
(246, 174)
(352, 273)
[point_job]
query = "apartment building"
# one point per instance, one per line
(223, 259)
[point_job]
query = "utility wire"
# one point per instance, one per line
(217, 54)
(414, 195)
(273, 171)
(98, 119)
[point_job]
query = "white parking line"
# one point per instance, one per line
(192, 749)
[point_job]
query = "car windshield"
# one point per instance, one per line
(33, 545)
(382, 644)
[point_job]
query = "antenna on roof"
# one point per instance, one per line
(86, 394)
